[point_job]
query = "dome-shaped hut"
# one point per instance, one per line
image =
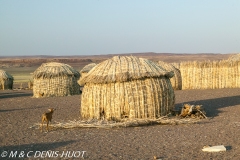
(55, 79)
(235, 57)
(6, 80)
(176, 80)
(85, 70)
(126, 87)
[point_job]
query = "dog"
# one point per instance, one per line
(47, 116)
(40, 94)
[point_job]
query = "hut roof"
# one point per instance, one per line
(88, 67)
(167, 66)
(124, 68)
(235, 57)
(54, 69)
(5, 75)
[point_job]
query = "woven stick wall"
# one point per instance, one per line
(176, 80)
(176, 65)
(85, 70)
(127, 87)
(6, 80)
(210, 74)
(55, 79)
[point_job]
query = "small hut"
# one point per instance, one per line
(85, 70)
(55, 79)
(176, 80)
(235, 57)
(126, 87)
(6, 80)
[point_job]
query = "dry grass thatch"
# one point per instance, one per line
(88, 67)
(55, 79)
(125, 68)
(54, 69)
(6, 80)
(176, 65)
(210, 74)
(85, 70)
(95, 123)
(176, 80)
(127, 87)
(235, 57)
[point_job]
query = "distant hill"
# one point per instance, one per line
(81, 60)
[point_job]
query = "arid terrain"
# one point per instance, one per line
(19, 114)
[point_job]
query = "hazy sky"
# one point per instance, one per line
(82, 27)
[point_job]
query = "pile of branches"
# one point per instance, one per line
(191, 111)
(188, 114)
(94, 123)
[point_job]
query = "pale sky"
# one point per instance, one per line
(93, 27)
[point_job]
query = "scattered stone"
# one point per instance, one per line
(214, 148)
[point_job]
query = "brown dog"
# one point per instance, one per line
(47, 117)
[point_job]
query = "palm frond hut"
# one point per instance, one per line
(235, 57)
(55, 79)
(176, 80)
(85, 70)
(6, 80)
(126, 87)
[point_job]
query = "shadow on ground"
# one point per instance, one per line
(14, 94)
(17, 109)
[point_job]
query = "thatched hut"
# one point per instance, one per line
(126, 87)
(85, 70)
(6, 80)
(55, 79)
(176, 80)
(235, 57)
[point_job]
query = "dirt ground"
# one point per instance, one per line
(19, 111)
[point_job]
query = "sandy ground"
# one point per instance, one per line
(18, 112)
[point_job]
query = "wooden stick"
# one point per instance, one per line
(202, 113)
